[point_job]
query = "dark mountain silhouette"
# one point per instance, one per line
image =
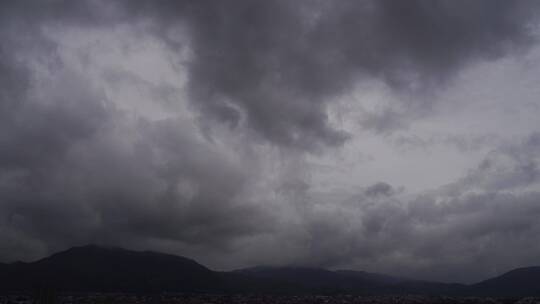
(518, 282)
(385, 284)
(348, 281)
(103, 269)
(307, 280)
(93, 268)
(374, 277)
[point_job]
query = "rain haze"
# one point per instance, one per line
(398, 137)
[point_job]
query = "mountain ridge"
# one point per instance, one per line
(93, 268)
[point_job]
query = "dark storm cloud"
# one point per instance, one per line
(88, 174)
(279, 64)
(275, 66)
(75, 169)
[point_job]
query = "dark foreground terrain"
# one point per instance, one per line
(258, 299)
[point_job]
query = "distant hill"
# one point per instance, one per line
(309, 280)
(316, 280)
(93, 268)
(518, 282)
(104, 269)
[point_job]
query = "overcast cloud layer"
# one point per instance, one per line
(395, 137)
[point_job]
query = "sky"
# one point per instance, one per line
(399, 137)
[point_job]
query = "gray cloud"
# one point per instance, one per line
(463, 238)
(76, 168)
(279, 64)
(479, 226)
(379, 188)
(511, 167)
(89, 174)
